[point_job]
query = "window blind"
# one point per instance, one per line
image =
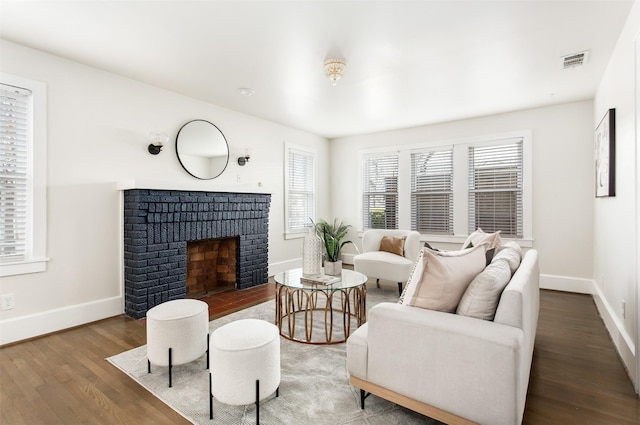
(495, 189)
(14, 172)
(432, 192)
(300, 190)
(380, 191)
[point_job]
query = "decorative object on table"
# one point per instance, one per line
(311, 253)
(322, 279)
(332, 236)
(606, 155)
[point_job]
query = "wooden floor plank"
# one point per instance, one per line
(576, 377)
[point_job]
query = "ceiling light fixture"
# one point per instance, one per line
(334, 69)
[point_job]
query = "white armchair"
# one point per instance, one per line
(384, 265)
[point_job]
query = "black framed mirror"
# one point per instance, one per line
(202, 149)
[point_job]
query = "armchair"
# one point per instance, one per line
(385, 265)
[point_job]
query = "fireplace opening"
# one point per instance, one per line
(211, 266)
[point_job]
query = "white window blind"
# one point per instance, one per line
(14, 172)
(432, 191)
(380, 191)
(300, 190)
(495, 188)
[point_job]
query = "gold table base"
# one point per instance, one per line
(302, 303)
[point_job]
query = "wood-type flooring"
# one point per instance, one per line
(63, 378)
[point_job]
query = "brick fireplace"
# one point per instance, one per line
(159, 224)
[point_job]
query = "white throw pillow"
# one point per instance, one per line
(480, 300)
(511, 253)
(444, 278)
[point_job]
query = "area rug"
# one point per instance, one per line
(314, 387)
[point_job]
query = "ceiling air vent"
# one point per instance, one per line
(576, 59)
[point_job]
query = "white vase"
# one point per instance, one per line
(333, 268)
(311, 253)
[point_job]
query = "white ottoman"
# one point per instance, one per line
(177, 333)
(244, 359)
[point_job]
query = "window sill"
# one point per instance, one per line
(36, 265)
(288, 236)
(524, 243)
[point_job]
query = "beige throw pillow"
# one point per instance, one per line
(511, 253)
(444, 278)
(480, 300)
(478, 237)
(392, 244)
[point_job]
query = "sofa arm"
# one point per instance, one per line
(466, 366)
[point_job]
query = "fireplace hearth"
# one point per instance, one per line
(158, 225)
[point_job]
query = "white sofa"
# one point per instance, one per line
(383, 265)
(456, 369)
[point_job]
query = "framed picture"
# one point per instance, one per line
(606, 155)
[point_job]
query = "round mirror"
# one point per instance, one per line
(202, 149)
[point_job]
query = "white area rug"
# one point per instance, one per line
(314, 386)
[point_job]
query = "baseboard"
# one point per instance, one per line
(566, 284)
(621, 339)
(24, 327)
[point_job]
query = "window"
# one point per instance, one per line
(432, 191)
(300, 189)
(495, 189)
(446, 190)
(380, 191)
(22, 176)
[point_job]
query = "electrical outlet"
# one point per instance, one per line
(624, 309)
(8, 301)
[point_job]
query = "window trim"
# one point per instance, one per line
(36, 258)
(288, 234)
(460, 183)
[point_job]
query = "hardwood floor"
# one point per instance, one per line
(63, 378)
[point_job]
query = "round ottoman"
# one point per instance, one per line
(177, 333)
(244, 359)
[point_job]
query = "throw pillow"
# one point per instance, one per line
(392, 244)
(416, 273)
(444, 278)
(511, 253)
(492, 240)
(481, 298)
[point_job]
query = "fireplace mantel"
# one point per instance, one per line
(191, 186)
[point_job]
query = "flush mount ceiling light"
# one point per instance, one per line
(334, 69)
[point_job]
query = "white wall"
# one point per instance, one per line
(98, 124)
(616, 218)
(562, 180)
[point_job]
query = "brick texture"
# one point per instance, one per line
(158, 224)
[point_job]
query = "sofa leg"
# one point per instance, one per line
(377, 283)
(400, 288)
(363, 395)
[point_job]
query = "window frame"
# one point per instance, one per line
(460, 183)
(35, 260)
(298, 233)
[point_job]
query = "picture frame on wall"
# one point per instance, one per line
(605, 155)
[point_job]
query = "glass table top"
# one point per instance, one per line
(295, 279)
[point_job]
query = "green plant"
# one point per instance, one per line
(332, 235)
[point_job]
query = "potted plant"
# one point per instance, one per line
(332, 235)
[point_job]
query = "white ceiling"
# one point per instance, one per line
(408, 62)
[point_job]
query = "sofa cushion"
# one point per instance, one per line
(392, 244)
(444, 278)
(493, 241)
(480, 300)
(511, 253)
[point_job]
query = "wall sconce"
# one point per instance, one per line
(242, 160)
(157, 140)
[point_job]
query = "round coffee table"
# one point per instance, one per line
(305, 304)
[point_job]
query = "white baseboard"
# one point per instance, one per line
(567, 284)
(621, 339)
(24, 327)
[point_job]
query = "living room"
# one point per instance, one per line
(97, 130)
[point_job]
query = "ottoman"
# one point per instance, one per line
(244, 359)
(177, 333)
